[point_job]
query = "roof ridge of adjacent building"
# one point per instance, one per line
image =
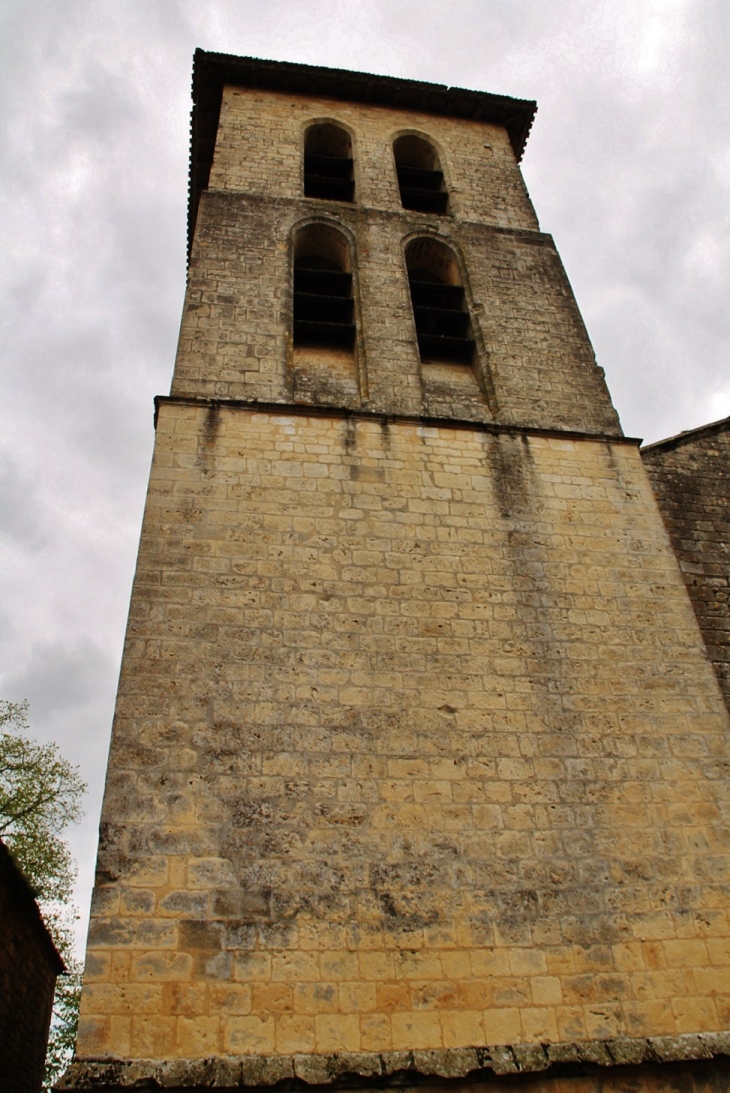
(688, 435)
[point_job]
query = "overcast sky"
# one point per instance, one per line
(628, 165)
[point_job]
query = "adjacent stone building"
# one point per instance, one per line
(417, 770)
(29, 966)
(690, 474)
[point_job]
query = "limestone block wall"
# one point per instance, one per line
(533, 364)
(259, 151)
(690, 474)
(533, 360)
(415, 747)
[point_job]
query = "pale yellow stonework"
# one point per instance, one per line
(439, 758)
(259, 152)
(417, 745)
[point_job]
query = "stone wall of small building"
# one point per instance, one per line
(690, 474)
(29, 965)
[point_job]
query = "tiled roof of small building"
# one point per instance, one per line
(23, 898)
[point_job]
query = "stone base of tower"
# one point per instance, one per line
(416, 748)
(660, 1064)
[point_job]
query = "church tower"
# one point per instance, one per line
(417, 765)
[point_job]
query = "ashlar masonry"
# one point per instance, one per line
(417, 770)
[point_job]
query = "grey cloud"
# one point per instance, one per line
(60, 677)
(104, 105)
(21, 518)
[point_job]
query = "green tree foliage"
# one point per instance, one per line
(40, 795)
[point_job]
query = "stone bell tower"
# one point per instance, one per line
(416, 771)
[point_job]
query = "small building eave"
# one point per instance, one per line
(23, 896)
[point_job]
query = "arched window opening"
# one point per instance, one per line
(323, 304)
(439, 309)
(420, 177)
(328, 163)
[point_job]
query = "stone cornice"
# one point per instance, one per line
(300, 409)
(397, 1068)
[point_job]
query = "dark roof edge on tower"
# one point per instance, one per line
(689, 435)
(211, 71)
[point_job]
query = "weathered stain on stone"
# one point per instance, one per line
(350, 437)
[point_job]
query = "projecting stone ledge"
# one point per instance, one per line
(394, 1067)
